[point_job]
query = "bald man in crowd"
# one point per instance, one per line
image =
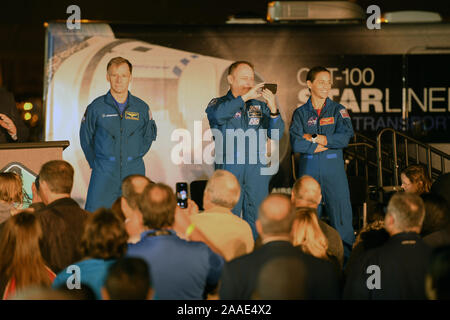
(274, 225)
(229, 233)
(306, 192)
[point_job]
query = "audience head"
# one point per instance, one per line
(21, 255)
(437, 279)
(55, 180)
(128, 279)
(405, 213)
(437, 213)
(275, 216)
(157, 203)
(11, 188)
(104, 236)
(282, 278)
(306, 233)
(415, 179)
(132, 187)
(222, 190)
(306, 192)
(372, 235)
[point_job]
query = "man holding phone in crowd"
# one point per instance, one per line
(239, 112)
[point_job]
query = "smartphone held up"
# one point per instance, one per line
(182, 194)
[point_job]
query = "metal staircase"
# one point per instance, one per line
(374, 166)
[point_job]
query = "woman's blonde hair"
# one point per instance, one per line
(307, 234)
(11, 187)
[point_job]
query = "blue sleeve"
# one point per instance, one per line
(276, 124)
(216, 263)
(298, 143)
(60, 280)
(150, 131)
(221, 110)
(87, 132)
(343, 131)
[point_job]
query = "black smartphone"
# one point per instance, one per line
(271, 86)
(182, 194)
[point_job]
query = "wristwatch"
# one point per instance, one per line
(276, 113)
(314, 138)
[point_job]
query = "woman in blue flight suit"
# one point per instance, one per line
(320, 129)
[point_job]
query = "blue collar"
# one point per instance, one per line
(311, 108)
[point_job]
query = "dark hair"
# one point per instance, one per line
(417, 174)
(58, 174)
(118, 61)
(128, 279)
(312, 73)
(104, 236)
(236, 64)
(437, 213)
(157, 204)
(439, 271)
(129, 189)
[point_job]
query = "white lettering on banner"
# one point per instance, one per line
(348, 100)
(432, 99)
(371, 97)
(236, 153)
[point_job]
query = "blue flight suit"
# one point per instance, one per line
(227, 115)
(114, 144)
(326, 167)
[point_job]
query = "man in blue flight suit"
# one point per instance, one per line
(320, 129)
(116, 132)
(236, 116)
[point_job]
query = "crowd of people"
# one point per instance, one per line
(147, 247)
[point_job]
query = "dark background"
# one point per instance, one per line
(22, 31)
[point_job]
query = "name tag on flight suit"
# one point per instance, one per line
(326, 121)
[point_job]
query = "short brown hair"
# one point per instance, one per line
(408, 210)
(58, 174)
(104, 236)
(119, 61)
(236, 64)
(157, 204)
(11, 187)
(129, 189)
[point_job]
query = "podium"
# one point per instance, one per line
(31, 154)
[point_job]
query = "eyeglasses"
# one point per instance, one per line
(36, 182)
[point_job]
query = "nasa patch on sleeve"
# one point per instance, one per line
(344, 113)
